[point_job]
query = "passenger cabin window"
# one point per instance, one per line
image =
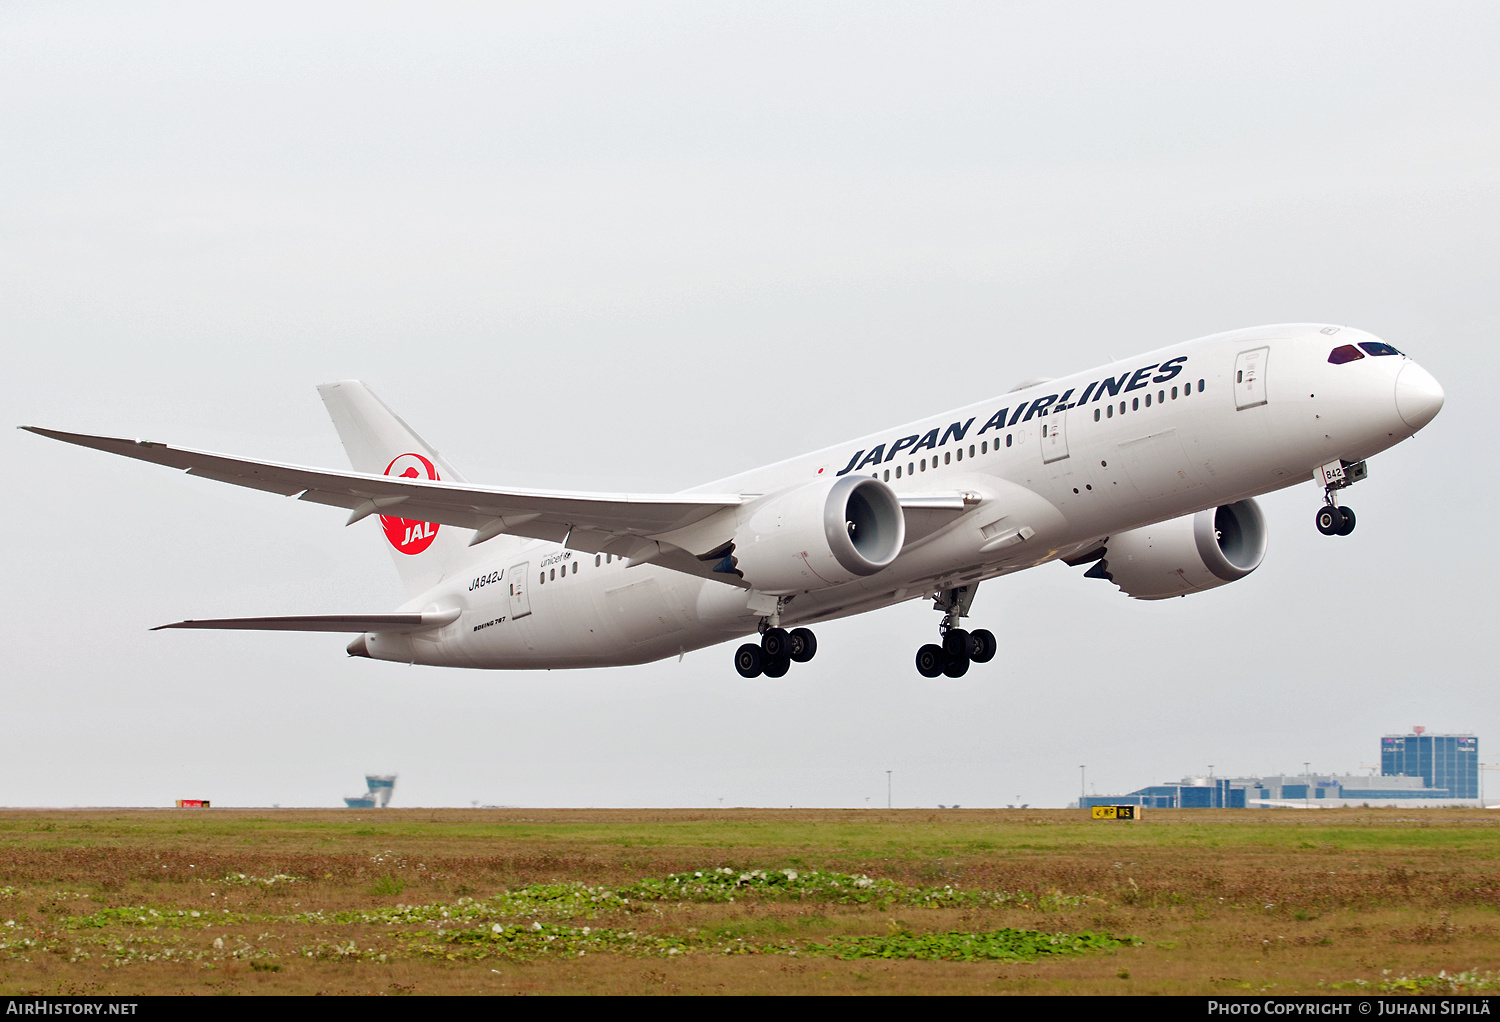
(1096, 415)
(1122, 407)
(1109, 412)
(898, 471)
(923, 463)
(960, 454)
(984, 448)
(1200, 386)
(542, 579)
(1174, 393)
(971, 450)
(887, 475)
(554, 574)
(1187, 388)
(910, 468)
(1008, 438)
(597, 559)
(575, 567)
(947, 457)
(1377, 348)
(1135, 404)
(1161, 396)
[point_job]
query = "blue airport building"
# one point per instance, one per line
(1449, 762)
(1415, 769)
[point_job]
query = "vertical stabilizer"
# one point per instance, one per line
(379, 442)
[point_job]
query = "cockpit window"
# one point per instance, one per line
(1378, 348)
(1344, 353)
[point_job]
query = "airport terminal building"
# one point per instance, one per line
(1416, 770)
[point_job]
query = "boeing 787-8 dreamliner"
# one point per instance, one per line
(1146, 469)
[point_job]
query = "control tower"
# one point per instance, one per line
(380, 789)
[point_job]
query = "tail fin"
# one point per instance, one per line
(378, 441)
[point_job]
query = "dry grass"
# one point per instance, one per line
(1222, 901)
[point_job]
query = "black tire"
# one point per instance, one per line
(982, 645)
(930, 660)
(1330, 520)
(804, 645)
(747, 660)
(956, 666)
(775, 643)
(777, 667)
(956, 643)
(1348, 526)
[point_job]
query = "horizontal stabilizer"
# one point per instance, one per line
(328, 622)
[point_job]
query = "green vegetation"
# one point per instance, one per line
(777, 901)
(957, 946)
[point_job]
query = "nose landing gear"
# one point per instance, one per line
(777, 651)
(1333, 520)
(959, 647)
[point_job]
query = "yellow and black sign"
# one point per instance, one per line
(1116, 812)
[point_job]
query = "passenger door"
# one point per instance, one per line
(1250, 378)
(520, 580)
(1055, 437)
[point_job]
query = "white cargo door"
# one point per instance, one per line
(520, 580)
(641, 611)
(1250, 378)
(1055, 436)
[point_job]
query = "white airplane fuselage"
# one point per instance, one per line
(1188, 427)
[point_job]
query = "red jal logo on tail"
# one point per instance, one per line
(406, 535)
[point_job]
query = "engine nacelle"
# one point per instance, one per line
(1188, 554)
(820, 535)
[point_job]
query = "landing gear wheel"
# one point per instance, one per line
(1330, 520)
(982, 645)
(775, 643)
(956, 666)
(804, 645)
(956, 644)
(930, 660)
(777, 667)
(1348, 525)
(747, 660)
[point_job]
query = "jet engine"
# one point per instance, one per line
(819, 535)
(1186, 555)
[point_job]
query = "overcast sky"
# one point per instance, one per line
(644, 246)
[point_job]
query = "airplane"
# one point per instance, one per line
(1144, 469)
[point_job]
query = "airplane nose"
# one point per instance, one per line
(1418, 396)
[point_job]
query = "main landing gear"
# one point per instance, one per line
(958, 648)
(777, 651)
(1333, 520)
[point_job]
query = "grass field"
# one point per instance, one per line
(815, 901)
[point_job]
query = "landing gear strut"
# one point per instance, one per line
(1333, 520)
(958, 648)
(777, 650)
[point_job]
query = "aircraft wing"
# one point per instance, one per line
(328, 622)
(589, 521)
